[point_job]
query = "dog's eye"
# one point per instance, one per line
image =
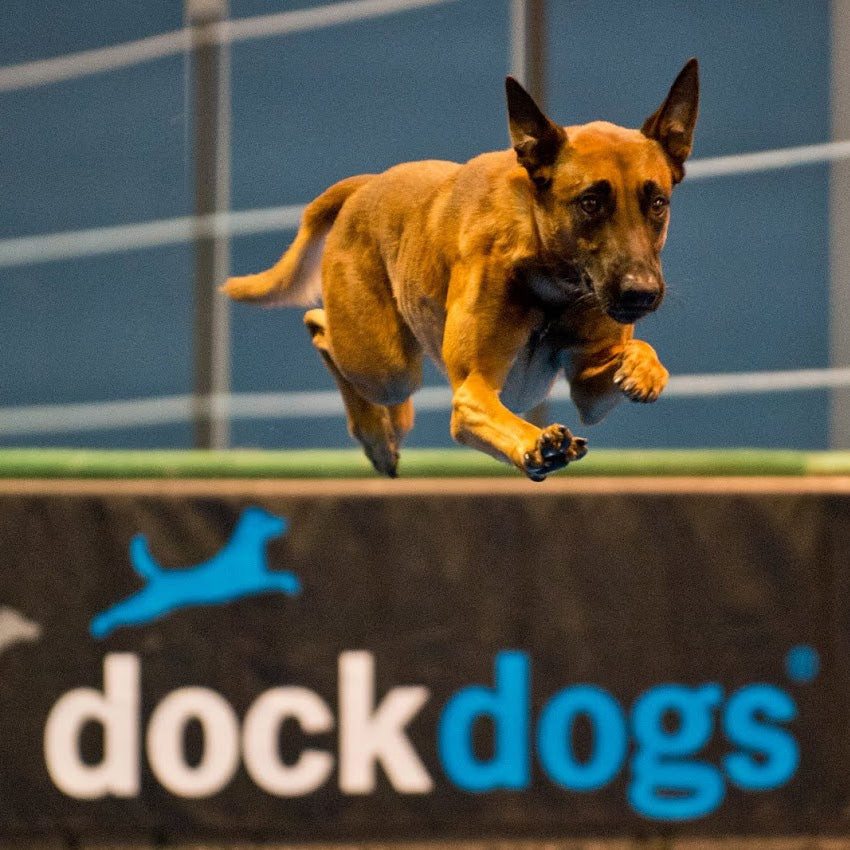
(590, 204)
(659, 204)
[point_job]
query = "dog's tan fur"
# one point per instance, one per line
(506, 271)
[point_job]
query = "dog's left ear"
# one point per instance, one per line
(672, 125)
(536, 140)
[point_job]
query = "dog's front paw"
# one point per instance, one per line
(641, 377)
(555, 448)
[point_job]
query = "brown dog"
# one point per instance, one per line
(506, 271)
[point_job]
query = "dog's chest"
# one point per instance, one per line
(534, 371)
(541, 359)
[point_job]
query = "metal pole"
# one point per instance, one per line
(839, 217)
(528, 65)
(528, 47)
(211, 63)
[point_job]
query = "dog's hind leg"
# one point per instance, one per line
(378, 428)
(401, 418)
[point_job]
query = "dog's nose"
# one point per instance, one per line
(639, 293)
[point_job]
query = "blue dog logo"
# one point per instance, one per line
(240, 569)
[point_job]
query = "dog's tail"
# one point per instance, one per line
(296, 278)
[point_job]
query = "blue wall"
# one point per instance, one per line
(747, 260)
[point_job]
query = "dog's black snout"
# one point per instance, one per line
(639, 292)
(637, 295)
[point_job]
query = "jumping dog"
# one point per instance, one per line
(507, 271)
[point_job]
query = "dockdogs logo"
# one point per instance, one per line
(657, 744)
(240, 569)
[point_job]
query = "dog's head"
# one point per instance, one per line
(258, 522)
(601, 193)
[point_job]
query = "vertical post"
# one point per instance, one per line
(839, 217)
(528, 65)
(211, 65)
(528, 47)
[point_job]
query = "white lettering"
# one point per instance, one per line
(116, 709)
(260, 741)
(166, 735)
(369, 734)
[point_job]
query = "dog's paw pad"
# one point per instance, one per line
(577, 449)
(550, 443)
(555, 448)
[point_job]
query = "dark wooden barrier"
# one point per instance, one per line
(656, 660)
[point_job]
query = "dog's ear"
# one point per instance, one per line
(536, 140)
(672, 125)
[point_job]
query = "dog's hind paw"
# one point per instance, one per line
(556, 447)
(383, 454)
(385, 462)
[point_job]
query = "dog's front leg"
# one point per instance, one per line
(481, 421)
(599, 379)
(640, 375)
(483, 335)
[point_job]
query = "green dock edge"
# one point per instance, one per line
(415, 463)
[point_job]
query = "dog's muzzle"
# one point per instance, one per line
(637, 295)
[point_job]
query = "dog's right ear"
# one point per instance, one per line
(536, 140)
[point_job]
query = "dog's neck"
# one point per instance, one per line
(553, 287)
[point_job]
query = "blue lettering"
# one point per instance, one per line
(554, 738)
(747, 723)
(508, 706)
(667, 783)
(669, 727)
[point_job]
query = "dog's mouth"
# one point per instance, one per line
(624, 318)
(573, 278)
(583, 287)
(626, 315)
